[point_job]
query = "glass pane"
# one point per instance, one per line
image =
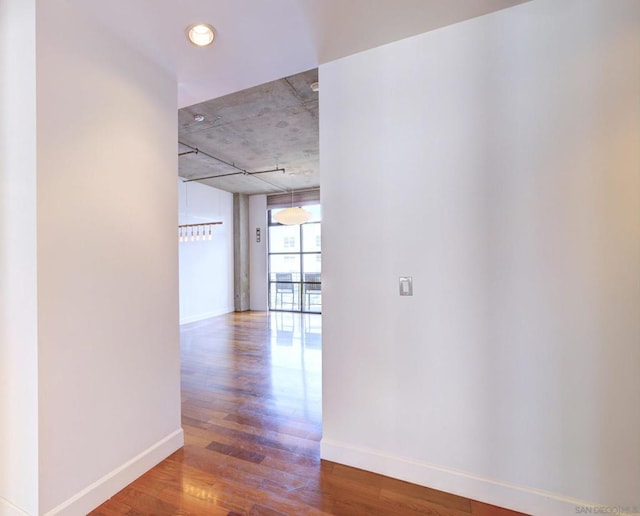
(312, 292)
(312, 298)
(284, 267)
(284, 296)
(312, 264)
(284, 239)
(316, 212)
(311, 238)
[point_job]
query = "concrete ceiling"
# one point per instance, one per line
(258, 43)
(267, 127)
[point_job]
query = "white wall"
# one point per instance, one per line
(206, 267)
(18, 315)
(497, 162)
(258, 252)
(109, 391)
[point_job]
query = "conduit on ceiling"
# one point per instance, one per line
(240, 171)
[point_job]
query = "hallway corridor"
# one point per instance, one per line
(251, 413)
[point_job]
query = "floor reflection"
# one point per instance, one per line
(296, 363)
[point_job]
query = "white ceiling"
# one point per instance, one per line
(263, 40)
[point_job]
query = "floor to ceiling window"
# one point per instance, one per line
(295, 264)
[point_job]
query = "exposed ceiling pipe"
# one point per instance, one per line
(196, 150)
(235, 174)
(282, 189)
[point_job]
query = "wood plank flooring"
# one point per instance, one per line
(251, 412)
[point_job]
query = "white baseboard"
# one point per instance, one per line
(8, 509)
(201, 317)
(104, 488)
(502, 494)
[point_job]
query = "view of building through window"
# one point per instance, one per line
(295, 264)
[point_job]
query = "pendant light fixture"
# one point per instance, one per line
(194, 232)
(293, 216)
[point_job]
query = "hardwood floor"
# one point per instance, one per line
(251, 413)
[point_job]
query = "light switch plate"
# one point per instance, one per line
(406, 286)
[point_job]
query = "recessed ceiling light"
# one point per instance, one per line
(198, 118)
(201, 34)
